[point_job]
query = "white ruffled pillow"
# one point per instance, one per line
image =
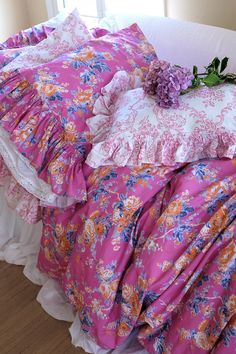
(68, 36)
(129, 128)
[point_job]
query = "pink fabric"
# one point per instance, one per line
(44, 109)
(29, 36)
(25, 204)
(99, 32)
(153, 249)
(129, 128)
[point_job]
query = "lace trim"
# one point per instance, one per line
(27, 177)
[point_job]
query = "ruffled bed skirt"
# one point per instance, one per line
(19, 244)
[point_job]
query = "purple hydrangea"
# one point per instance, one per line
(166, 82)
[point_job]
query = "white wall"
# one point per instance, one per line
(37, 11)
(221, 13)
(20, 14)
(13, 17)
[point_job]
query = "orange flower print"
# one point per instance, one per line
(104, 272)
(85, 54)
(166, 265)
(89, 232)
(70, 132)
(49, 89)
(63, 244)
(175, 207)
(108, 290)
(136, 304)
(107, 55)
(183, 334)
(181, 263)
(59, 229)
(94, 215)
(142, 283)
(123, 329)
(204, 341)
(71, 227)
(84, 96)
(55, 167)
(218, 222)
(215, 189)
(127, 292)
(99, 228)
(203, 325)
(79, 300)
(231, 304)
(105, 290)
(227, 256)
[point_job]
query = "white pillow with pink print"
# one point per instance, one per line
(68, 36)
(129, 128)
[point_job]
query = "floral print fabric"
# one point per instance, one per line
(153, 249)
(24, 203)
(68, 36)
(33, 35)
(44, 109)
(137, 130)
(28, 37)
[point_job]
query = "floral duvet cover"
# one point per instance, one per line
(152, 249)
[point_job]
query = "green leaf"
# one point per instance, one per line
(212, 79)
(231, 78)
(195, 70)
(224, 64)
(196, 82)
(216, 63)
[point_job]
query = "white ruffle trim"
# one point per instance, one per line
(27, 177)
(19, 244)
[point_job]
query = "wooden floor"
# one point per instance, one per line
(24, 326)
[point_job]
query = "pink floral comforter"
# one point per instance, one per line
(152, 249)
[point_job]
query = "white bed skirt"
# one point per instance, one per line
(19, 244)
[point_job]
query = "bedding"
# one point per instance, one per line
(24, 203)
(44, 109)
(130, 128)
(69, 34)
(144, 252)
(153, 249)
(33, 35)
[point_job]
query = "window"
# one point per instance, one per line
(90, 10)
(93, 10)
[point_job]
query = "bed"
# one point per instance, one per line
(141, 258)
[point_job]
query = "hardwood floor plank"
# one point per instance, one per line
(24, 327)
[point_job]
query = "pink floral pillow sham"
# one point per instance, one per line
(68, 36)
(44, 109)
(129, 128)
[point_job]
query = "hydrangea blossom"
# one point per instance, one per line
(166, 82)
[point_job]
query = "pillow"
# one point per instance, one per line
(44, 109)
(129, 128)
(35, 34)
(69, 35)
